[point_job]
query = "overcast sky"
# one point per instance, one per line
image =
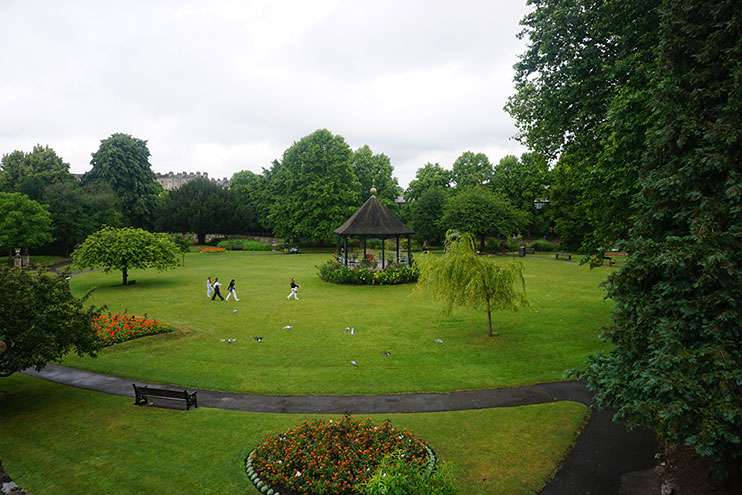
(228, 86)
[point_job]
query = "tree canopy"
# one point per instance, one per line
(123, 162)
(31, 173)
(460, 277)
(471, 169)
(375, 171)
(125, 248)
(481, 212)
(676, 361)
(314, 186)
(426, 177)
(42, 320)
(24, 223)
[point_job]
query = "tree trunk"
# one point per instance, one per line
(125, 273)
(481, 245)
(201, 238)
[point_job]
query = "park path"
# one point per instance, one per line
(604, 461)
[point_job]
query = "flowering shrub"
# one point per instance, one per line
(326, 456)
(212, 249)
(336, 272)
(116, 328)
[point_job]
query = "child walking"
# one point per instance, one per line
(294, 290)
(209, 287)
(230, 291)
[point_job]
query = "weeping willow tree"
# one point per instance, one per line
(462, 278)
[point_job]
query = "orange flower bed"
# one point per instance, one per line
(115, 328)
(331, 456)
(212, 250)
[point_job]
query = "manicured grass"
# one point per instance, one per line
(61, 440)
(537, 344)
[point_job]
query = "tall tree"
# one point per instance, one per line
(426, 214)
(42, 320)
(24, 223)
(122, 249)
(375, 171)
(581, 97)
(123, 162)
(481, 212)
(524, 181)
(471, 169)
(676, 364)
(460, 277)
(200, 206)
(30, 173)
(431, 175)
(314, 186)
(253, 193)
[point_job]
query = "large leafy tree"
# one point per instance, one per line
(375, 171)
(126, 248)
(676, 365)
(253, 194)
(31, 173)
(581, 99)
(24, 223)
(471, 169)
(123, 162)
(200, 206)
(482, 212)
(523, 181)
(314, 186)
(426, 212)
(42, 320)
(426, 177)
(461, 277)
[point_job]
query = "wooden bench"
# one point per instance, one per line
(143, 393)
(564, 255)
(530, 250)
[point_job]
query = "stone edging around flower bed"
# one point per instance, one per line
(267, 490)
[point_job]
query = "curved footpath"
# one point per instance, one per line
(606, 459)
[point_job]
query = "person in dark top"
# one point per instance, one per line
(230, 291)
(217, 284)
(294, 290)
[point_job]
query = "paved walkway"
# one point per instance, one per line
(603, 454)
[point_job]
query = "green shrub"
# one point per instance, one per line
(337, 273)
(396, 476)
(543, 245)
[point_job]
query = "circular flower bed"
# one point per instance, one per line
(212, 250)
(330, 456)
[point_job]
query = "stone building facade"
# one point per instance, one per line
(170, 180)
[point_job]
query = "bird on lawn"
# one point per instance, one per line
(288, 327)
(234, 311)
(259, 339)
(347, 329)
(354, 363)
(438, 341)
(229, 341)
(386, 353)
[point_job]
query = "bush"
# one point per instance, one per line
(396, 476)
(543, 245)
(337, 273)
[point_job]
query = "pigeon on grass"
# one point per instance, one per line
(386, 353)
(259, 339)
(438, 341)
(288, 327)
(354, 363)
(229, 341)
(234, 312)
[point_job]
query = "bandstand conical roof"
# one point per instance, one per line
(373, 219)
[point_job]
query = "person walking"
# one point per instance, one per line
(216, 289)
(294, 290)
(231, 291)
(209, 287)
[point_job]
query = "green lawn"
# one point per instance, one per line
(58, 440)
(535, 345)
